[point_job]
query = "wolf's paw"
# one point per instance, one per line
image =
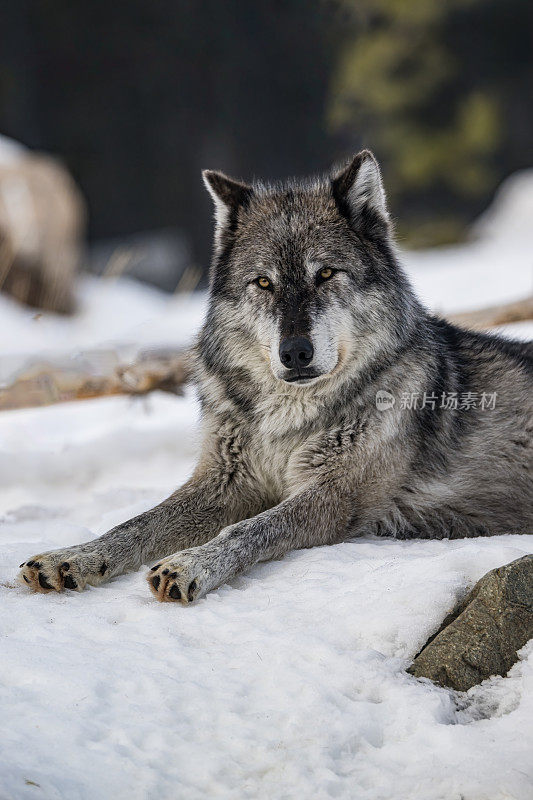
(63, 569)
(181, 578)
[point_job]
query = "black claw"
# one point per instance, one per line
(191, 590)
(70, 583)
(103, 569)
(175, 592)
(153, 569)
(43, 582)
(37, 565)
(30, 563)
(65, 565)
(166, 571)
(25, 578)
(155, 582)
(173, 575)
(21, 565)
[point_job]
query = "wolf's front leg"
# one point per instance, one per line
(189, 517)
(315, 516)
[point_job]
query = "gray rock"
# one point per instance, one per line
(483, 633)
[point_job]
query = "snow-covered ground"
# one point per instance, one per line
(288, 683)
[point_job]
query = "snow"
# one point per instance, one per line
(495, 267)
(289, 682)
(509, 216)
(11, 152)
(113, 316)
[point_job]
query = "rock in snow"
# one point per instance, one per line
(483, 633)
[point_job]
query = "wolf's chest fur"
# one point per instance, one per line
(287, 412)
(279, 430)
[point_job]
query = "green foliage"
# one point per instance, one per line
(400, 79)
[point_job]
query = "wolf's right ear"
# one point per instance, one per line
(227, 195)
(358, 190)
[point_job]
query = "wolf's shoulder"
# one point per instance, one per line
(484, 347)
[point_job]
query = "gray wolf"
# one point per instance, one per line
(311, 329)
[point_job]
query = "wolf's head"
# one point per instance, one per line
(304, 284)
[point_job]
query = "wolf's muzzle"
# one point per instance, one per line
(296, 352)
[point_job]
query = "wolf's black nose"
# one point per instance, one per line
(296, 351)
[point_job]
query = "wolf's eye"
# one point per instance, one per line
(264, 283)
(324, 274)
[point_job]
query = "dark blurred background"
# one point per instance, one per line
(137, 97)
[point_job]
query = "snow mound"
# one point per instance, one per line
(510, 215)
(112, 314)
(10, 151)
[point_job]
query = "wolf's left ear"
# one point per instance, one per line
(358, 190)
(227, 195)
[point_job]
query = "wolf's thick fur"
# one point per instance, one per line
(310, 315)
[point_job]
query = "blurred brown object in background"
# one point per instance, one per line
(42, 225)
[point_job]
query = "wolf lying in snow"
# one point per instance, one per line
(310, 320)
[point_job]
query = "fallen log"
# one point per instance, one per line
(167, 371)
(519, 311)
(95, 375)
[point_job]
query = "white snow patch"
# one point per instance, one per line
(113, 315)
(495, 267)
(510, 215)
(11, 151)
